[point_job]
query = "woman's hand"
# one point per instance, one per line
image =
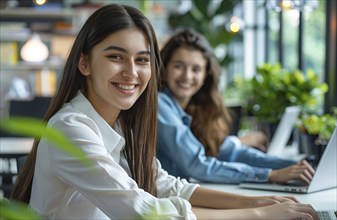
(287, 210)
(255, 139)
(302, 171)
(259, 201)
(280, 208)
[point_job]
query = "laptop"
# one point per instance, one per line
(327, 215)
(283, 131)
(325, 175)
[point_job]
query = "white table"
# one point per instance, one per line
(321, 200)
(11, 148)
(10, 145)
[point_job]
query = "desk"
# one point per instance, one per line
(322, 200)
(10, 145)
(11, 149)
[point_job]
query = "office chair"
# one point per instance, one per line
(20, 161)
(35, 108)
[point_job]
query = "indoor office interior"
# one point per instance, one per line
(273, 54)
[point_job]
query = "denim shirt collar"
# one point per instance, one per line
(186, 118)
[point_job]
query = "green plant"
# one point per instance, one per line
(15, 210)
(209, 19)
(272, 89)
(321, 126)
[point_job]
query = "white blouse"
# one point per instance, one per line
(64, 187)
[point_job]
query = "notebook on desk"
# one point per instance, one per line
(325, 176)
(283, 130)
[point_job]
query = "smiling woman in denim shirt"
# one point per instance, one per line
(193, 123)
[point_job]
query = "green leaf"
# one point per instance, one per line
(183, 20)
(202, 7)
(222, 36)
(225, 7)
(37, 128)
(12, 210)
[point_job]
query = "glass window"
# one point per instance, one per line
(290, 39)
(273, 37)
(314, 39)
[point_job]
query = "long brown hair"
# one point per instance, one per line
(211, 119)
(138, 123)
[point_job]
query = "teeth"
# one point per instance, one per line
(184, 85)
(125, 87)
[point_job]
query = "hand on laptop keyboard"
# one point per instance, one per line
(288, 210)
(302, 171)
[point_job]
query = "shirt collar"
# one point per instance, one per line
(112, 139)
(186, 118)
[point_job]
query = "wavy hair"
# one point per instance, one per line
(138, 123)
(211, 119)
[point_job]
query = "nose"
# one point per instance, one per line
(129, 70)
(188, 73)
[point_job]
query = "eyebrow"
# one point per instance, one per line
(124, 50)
(182, 62)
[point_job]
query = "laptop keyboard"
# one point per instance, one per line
(324, 215)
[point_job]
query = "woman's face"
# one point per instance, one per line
(117, 70)
(186, 72)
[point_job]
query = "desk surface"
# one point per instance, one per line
(15, 145)
(322, 200)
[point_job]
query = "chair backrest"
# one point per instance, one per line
(20, 161)
(35, 108)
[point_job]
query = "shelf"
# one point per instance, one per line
(24, 66)
(22, 13)
(26, 13)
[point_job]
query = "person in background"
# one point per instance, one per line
(107, 106)
(193, 123)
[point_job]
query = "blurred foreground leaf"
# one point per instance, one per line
(37, 128)
(14, 210)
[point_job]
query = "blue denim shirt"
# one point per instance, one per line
(181, 154)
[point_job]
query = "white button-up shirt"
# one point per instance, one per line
(64, 187)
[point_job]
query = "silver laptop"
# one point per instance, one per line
(327, 215)
(325, 175)
(283, 131)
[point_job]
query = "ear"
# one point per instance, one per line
(83, 65)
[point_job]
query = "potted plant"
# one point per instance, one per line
(315, 131)
(273, 89)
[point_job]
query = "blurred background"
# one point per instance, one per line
(273, 53)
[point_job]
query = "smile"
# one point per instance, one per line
(184, 85)
(125, 87)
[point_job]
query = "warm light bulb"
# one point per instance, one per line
(39, 2)
(34, 50)
(286, 4)
(235, 25)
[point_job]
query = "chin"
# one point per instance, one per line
(127, 106)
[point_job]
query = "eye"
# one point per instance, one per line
(115, 57)
(178, 66)
(197, 69)
(143, 60)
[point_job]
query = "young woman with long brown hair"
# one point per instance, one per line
(107, 105)
(193, 123)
